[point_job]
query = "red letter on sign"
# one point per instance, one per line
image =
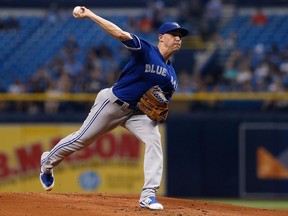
(4, 169)
(29, 158)
(106, 146)
(129, 147)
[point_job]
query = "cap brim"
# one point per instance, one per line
(182, 31)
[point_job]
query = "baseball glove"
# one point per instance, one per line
(154, 104)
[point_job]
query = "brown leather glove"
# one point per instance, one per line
(154, 104)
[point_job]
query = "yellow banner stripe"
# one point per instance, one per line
(201, 96)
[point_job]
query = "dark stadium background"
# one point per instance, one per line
(206, 154)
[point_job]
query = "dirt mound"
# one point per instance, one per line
(88, 204)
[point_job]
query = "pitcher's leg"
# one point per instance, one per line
(101, 119)
(148, 132)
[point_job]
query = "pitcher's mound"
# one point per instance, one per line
(88, 204)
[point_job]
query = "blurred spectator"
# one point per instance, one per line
(82, 81)
(274, 54)
(93, 60)
(244, 76)
(108, 60)
(196, 10)
(260, 80)
(96, 81)
(145, 24)
(72, 65)
(65, 82)
(231, 41)
(276, 86)
(132, 24)
(69, 50)
(236, 57)
(52, 15)
(213, 15)
(230, 74)
(184, 11)
(261, 72)
(55, 66)
(3, 104)
(197, 85)
(190, 14)
(284, 66)
(40, 81)
(52, 106)
(156, 11)
(112, 77)
(71, 45)
(259, 18)
(258, 55)
(184, 82)
(17, 87)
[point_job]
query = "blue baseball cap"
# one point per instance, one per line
(172, 26)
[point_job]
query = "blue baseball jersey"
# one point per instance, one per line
(146, 69)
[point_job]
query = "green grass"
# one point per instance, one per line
(254, 203)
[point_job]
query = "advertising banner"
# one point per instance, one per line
(112, 164)
(264, 159)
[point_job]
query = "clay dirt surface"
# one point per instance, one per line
(100, 204)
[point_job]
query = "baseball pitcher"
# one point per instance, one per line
(138, 102)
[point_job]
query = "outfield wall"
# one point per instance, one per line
(227, 154)
(112, 164)
(207, 154)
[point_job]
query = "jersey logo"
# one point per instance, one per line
(174, 83)
(151, 68)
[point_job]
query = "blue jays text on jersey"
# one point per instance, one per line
(151, 68)
(146, 69)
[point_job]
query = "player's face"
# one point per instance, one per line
(173, 41)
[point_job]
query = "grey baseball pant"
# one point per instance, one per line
(104, 116)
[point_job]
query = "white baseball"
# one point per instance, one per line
(76, 11)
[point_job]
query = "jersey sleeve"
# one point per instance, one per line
(134, 44)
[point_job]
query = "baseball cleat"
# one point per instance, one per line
(151, 203)
(46, 178)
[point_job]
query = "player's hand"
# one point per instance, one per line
(81, 12)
